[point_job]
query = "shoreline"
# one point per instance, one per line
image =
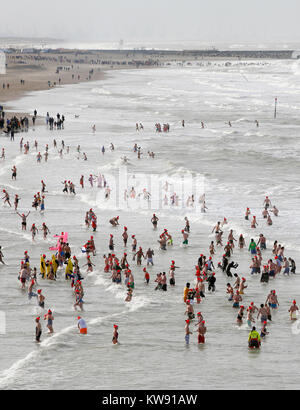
(38, 70)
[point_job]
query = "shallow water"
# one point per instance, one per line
(235, 167)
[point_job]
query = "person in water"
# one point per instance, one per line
(115, 335)
(254, 339)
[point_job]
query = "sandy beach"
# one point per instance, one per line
(41, 70)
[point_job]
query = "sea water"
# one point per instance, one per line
(236, 167)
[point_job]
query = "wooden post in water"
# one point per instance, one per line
(275, 110)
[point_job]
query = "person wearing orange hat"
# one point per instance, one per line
(199, 318)
(264, 331)
(254, 307)
(201, 332)
(254, 222)
(89, 265)
(34, 230)
(293, 311)
(185, 236)
(115, 335)
(30, 289)
(78, 299)
(189, 310)
(45, 230)
(187, 331)
(134, 243)
(250, 318)
(224, 222)
(6, 198)
(129, 292)
(212, 281)
(242, 286)
(49, 317)
(147, 276)
(38, 330)
(272, 300)
(111, 243)
(139, 255)
(267, 202)
(114, 221)
(248, 212)
(92, 246)
(81, 324)
(24, 220)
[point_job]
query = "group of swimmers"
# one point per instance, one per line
(118, 268)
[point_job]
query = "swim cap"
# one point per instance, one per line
(199, 313)
(78, 317)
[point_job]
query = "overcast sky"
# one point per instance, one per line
(207, 21)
